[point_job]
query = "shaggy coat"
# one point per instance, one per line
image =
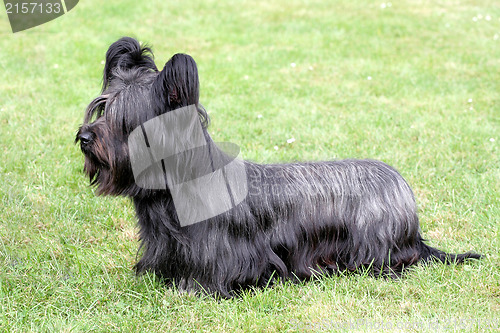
(296, 220)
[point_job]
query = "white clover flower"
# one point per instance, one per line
(293, 64)
(291, 140)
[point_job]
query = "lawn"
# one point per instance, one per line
(413, 83)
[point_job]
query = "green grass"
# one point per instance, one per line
(66, 256)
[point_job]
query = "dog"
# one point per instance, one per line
(248, 224)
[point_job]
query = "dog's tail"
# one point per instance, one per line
(428, 253)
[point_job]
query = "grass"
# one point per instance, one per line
(431, 109)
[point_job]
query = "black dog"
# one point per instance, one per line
(284, 221)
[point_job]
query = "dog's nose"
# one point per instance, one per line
(85, 137)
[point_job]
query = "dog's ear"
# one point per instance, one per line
(126, 53)
(177, 85)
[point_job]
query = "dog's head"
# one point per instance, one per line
(133, 92)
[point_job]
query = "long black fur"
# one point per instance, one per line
(297, 219)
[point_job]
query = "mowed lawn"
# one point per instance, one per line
(413, 83)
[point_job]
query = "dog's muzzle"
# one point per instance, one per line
(85, 138)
